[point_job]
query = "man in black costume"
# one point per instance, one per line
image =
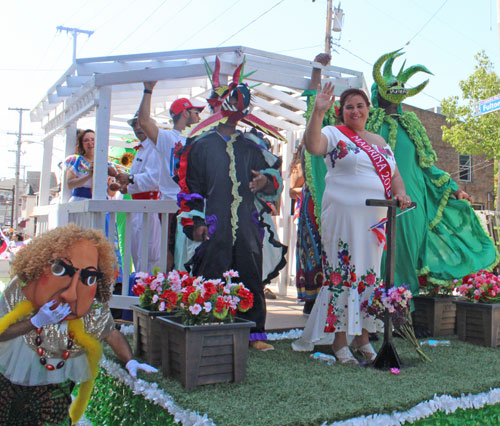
(221, 174)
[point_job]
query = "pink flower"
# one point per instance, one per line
(195, 309)
(370, 279)
(395, 371)
(230, 274)
(336, 278)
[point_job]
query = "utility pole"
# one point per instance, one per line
(328, 33)
(496, 203)
(74, 32)
(18, 163)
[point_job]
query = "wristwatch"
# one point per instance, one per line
(131, 179)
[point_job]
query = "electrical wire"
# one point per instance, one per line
(299, 48)
(246, 26)
(139, 26)
(163, 24)
(207, 25)
(429, 20)
(115, 16)
(46, 50)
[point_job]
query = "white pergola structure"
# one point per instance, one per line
(110, 90)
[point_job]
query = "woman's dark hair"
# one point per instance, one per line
(351, 92)
(79, 140)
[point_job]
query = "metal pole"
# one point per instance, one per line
(328, 34)
(12, 206)
(18, 164)
(496, 204)
(74, 32)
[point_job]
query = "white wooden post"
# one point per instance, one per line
(103, 115)
(69, 149)
(287, 223)
(43, 197)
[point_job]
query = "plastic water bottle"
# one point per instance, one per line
(432, 342)
(327, 359)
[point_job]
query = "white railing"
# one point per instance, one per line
(93, 213)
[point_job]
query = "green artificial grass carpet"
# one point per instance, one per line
(284, 387)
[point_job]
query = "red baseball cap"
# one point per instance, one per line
(182, 104)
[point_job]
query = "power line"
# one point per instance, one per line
(299, 48)
(429, 20)
(115, 16)
(139, 26)
(164, 23)
(258, 17)
(31, 69)
(46, 50)
(210, 23)
(356, 56)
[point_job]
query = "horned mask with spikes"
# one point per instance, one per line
(391, 87)
(231, 103)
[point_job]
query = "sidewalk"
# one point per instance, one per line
(284, 313)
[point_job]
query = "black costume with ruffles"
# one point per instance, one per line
(214, 176)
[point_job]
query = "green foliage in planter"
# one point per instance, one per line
(433, 287)
(114, 404)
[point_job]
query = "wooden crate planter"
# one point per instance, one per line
(435, 313)
(147, 335)
(204, 354)
(479, 323)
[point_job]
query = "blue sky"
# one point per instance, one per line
(443, 35)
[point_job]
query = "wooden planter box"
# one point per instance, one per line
(479, 323)
(147, 335)
(204, 354)
(436, 313)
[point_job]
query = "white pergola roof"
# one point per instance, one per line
(277, 99)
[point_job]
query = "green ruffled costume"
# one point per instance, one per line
(315, 164)
(442, 239)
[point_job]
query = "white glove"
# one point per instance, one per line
(132, 366)
(46, 316)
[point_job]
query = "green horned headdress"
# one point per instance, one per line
(391, 87)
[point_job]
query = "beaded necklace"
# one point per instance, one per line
(41, 353)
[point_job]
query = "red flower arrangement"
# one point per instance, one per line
(194, 299)
(481, 287)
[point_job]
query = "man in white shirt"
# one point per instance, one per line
(183, 114)
(142, 184)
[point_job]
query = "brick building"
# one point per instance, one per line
(474, 174)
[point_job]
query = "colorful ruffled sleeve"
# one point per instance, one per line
(191, 199)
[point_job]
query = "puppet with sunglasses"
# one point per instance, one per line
(53, 316)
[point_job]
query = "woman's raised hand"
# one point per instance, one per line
(325, 98)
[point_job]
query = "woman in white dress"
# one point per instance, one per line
(360, 166)
(80, 167)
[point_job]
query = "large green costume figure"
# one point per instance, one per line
(442, 239)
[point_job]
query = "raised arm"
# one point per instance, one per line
(315, 142)
(323, 59)
(147, 124)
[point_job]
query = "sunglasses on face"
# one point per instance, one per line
(88, 276)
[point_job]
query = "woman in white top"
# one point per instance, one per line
(360, 165)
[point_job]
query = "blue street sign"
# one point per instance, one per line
(486, 106)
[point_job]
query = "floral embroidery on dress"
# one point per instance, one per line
(341, 150)
(385, 151)
(340, 279)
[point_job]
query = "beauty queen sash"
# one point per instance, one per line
(381, 165)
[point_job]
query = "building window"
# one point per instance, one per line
(465, 168)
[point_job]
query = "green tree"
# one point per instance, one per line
(468, 134)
